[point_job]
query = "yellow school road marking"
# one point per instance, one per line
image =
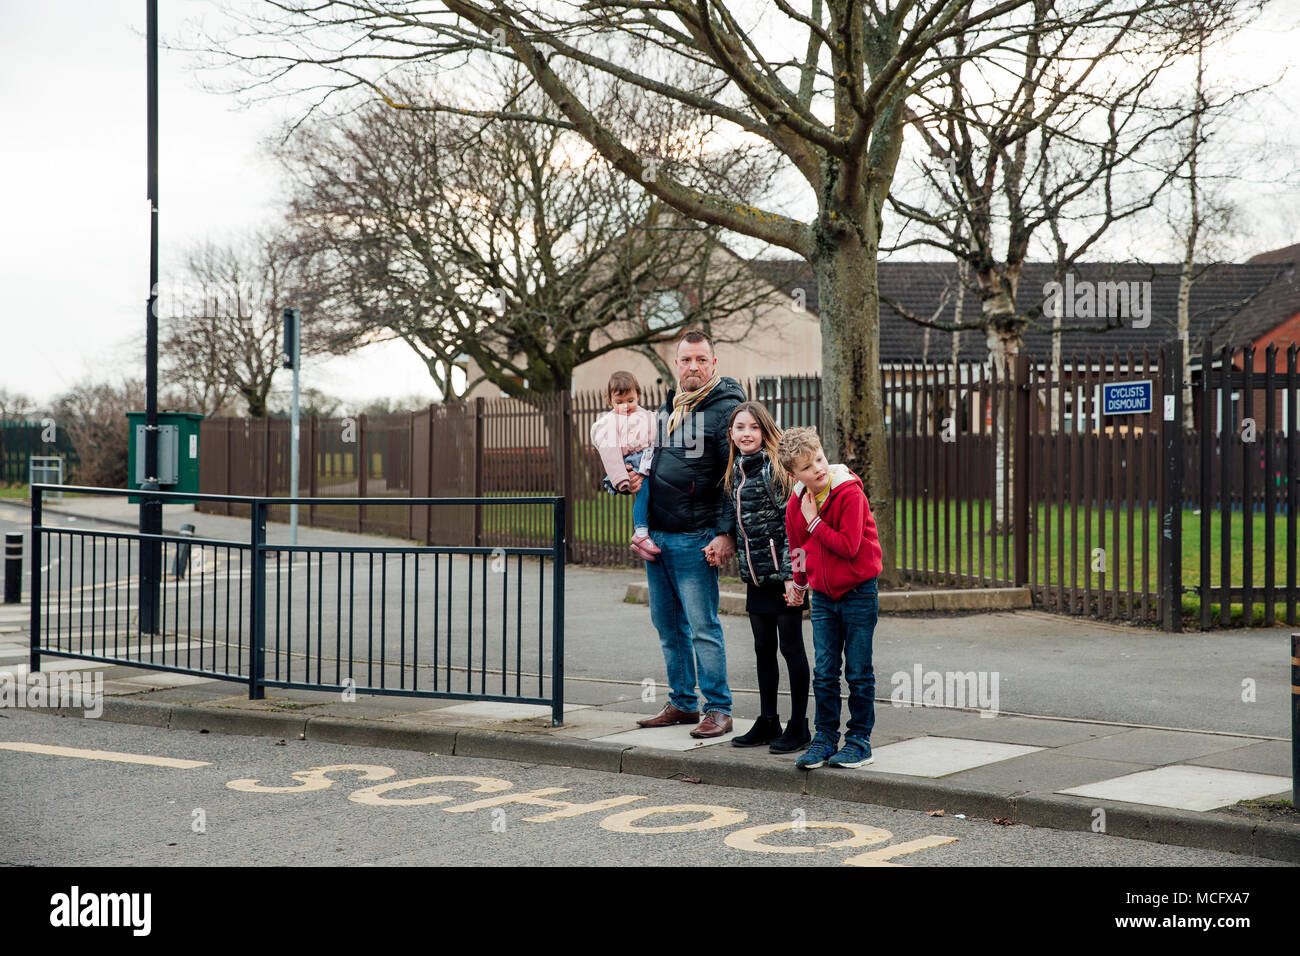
(882, 856)
(717, 817)
(113, 755)
(750, 838)
(317, 778)
(374, 796)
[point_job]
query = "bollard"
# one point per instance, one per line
(181, 561)
(13, 567)
(1295, 720)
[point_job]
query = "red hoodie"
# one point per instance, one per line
(840, 544)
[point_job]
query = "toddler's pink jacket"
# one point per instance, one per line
(616, 436)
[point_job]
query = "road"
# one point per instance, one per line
(91, 793)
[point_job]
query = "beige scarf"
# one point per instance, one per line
(683, 402)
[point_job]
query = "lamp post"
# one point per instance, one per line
(151, 509)
(292, 358)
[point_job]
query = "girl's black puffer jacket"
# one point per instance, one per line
(758, 502)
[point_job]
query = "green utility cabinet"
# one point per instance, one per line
(178, 452)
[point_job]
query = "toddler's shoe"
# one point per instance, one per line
(819, 751)
(643, 546)
(852, 754)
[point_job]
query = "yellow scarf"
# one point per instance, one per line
(683, 402)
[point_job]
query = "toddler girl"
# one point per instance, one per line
(623, 436)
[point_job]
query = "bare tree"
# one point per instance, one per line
(1200, 214)
(509, 244)
(224, 326)
(1049, 149)
(15, 406)
(93, 416)
(827, 86)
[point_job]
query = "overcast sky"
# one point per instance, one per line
(74, 246)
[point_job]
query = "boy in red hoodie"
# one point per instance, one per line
(835, 551)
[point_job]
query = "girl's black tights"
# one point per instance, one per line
(785, 630)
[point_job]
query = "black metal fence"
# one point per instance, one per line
(446, 621)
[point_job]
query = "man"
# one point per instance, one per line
(695, 533)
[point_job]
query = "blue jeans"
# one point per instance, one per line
(641, 506)
(641, 503)
(843, 630)
(684, 610)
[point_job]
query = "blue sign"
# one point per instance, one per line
(1127, 398)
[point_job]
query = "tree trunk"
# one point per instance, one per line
(1184, 322)
(852, 398)
(1004, 346)
(1054, 410)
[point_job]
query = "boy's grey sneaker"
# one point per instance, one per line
(852, 754)
(817, 753)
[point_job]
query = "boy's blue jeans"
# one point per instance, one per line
(641, 503)
(842, 630)
(684, 610)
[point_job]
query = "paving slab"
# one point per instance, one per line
(163, 679)
(912, 721)
(492, 710)
(594, 723)
(533, 715)
(941, 756)
(1267, 756)
(1155, 746)
(1030, 731)
(363, 708)
(1184, 787)
(204, 693)
(51, 664)
(1045, 770)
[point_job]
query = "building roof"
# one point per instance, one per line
(1234, 303)
(1287, 254)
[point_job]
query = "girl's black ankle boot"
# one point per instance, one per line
(764, 731)
(796, 737)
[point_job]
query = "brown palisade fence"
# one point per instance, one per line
(1014, 478)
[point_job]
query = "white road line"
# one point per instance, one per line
(29, 748)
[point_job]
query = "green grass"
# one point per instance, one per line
(608, 520)
(1056, 535)
(22, 492)
(1052, 522)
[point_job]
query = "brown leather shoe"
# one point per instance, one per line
(715, 724)
(670, 715)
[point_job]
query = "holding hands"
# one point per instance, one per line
(719, 551)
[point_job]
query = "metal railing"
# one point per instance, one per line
(455, 622)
